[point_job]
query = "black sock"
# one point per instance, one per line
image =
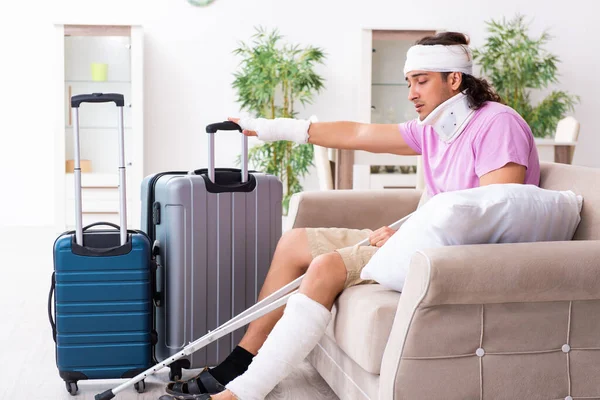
(233, 366)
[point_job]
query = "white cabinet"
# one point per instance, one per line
(386, 102)
(120, 51)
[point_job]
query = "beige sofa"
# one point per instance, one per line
(494, 321)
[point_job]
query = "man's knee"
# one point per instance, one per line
(328, 269)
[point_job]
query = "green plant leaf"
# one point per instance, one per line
(269, 71)
(516, 64)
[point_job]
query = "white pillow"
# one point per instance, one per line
(499, 213)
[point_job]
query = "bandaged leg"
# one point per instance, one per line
(270, 130)
(295, 335)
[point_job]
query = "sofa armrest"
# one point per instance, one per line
(449, 287)
(511, 272)
(357, 209)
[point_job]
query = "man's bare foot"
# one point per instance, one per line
(226, 395)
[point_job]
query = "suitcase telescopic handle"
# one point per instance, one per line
(118, 99)
(225, 126)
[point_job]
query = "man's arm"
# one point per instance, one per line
(374, 138)
(510, 173)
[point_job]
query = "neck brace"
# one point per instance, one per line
(450, 118)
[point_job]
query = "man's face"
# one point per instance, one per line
(427, 90)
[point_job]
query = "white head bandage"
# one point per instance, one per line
(439, 58)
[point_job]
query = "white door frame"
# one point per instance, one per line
(59, 130)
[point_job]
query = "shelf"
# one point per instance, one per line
(94, 179)
(390, 84)
(91, 81)
(392, 180)
(98, 127)
(398, 175)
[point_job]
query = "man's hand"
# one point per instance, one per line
(244, 131)
(380, 236)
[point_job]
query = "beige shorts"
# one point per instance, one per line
(343, 241)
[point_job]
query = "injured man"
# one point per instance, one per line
(466, 137)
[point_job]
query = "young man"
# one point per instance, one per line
(467, 139)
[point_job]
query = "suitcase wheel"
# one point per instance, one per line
(72, 388)
(175, 373)
(140, 386)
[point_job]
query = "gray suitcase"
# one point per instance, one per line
(214, 235)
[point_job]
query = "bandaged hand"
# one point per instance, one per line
(271, 130)
(380, 236)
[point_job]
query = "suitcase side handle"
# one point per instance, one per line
(50, 317)
(116, 98)
(117, 227)
(225, 126)
(157, 274)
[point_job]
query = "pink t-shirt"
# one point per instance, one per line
(495, 136)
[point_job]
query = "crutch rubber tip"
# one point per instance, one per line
(105, 396)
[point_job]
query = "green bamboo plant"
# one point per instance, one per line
(271, 80)
(516, 63)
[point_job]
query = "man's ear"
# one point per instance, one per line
(455, 80)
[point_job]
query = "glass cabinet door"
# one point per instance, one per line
(98, 64)
(389, 90)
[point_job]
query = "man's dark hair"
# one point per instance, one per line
(477, 90)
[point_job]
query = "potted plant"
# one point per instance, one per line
(516, 63)
(271, 80)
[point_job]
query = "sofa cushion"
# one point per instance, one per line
(362, 321)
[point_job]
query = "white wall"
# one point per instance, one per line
(189, 69)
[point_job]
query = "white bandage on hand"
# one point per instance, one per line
(271, 130)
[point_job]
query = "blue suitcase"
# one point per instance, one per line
(103, 285)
